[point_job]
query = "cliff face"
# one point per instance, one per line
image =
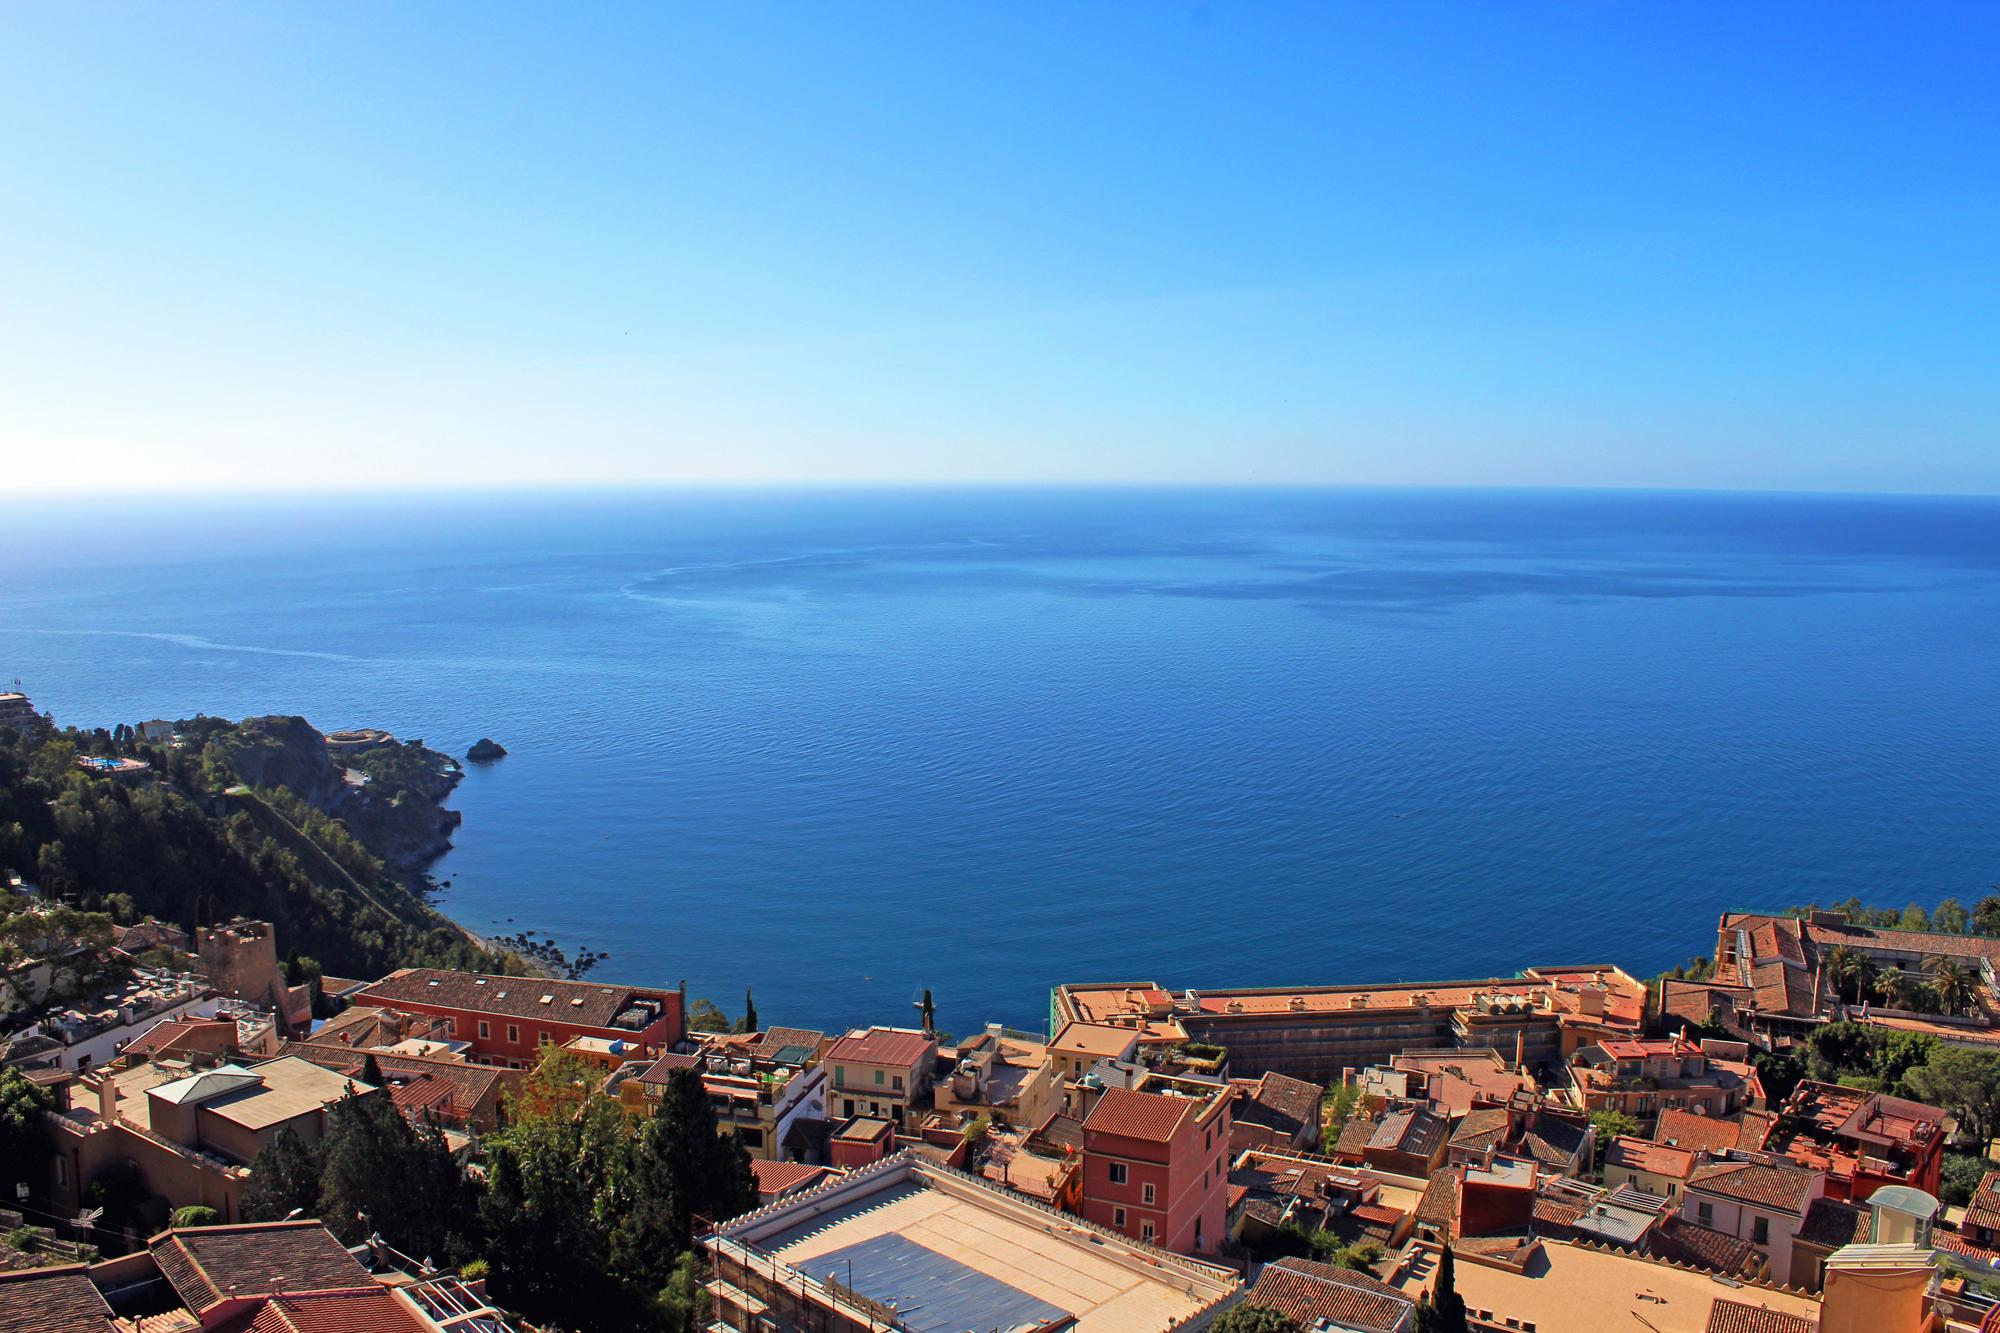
(285, 752)
(397, 813)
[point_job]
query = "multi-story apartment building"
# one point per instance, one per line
(1760, 1199)
(1156, 1167)
(509, 1020)
(1861, 1140)
(1643, 1078)
(880, 1073)
(768, 1087)
(1317, 1033)
(1009, 1076)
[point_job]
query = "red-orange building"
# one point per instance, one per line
(1861, 1140)
(508, 1020)
(1156, 1167)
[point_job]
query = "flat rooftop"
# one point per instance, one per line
(1568, 1287)
(952, 1253)
(1149, 1006)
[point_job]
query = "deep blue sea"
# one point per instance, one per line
(844, 745)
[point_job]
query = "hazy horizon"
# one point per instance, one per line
(384, 248)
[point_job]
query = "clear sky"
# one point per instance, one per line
(356, 246)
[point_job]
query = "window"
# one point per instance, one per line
(62, 1172)
(513, 1034)
(840, 1076)
(752, 1138)
(1760, 1231)
(898, 1083)
(847, 1107)
(880, 1077)
(1146, 1232)
(451, 1027)
(1118, 1173)
(1197, 1233)
(1117, 1217)
(1704, 1213)
(1149, 1195)
(485, 1031)
(543, 1039)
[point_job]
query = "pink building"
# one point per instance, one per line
(1156, 1167)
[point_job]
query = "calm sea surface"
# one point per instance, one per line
(845, 745)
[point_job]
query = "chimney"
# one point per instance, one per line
(1520, 1050)
(107, 1096)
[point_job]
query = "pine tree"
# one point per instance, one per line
(371, 1071)
(749, 1011)
(284, 1179)
(683, 1167)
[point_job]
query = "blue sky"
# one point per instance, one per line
(360, 246)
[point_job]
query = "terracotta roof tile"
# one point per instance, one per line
(371, 1311)
(1287, 1105)
(775, 1178)
(1306, 1292)
(1684, 1242)
(51, 1300)
(881, 1046)
(1984, 1210)
(1697, 1133)
(1832, 1224)
(1782, 1187)
(1727, 1316)
(582, 1003)
(1139, 1115)
(210, 1264)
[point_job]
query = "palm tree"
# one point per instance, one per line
(1865, 975)
(1841, 968)
(1954, 984)
(1903, 990)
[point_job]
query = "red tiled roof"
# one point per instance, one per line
(1727, 1316)
(172, 1033)
(881, 1046)
(1306, 1292)
(1780, 1187)
(1658, 1159)
(1984, 1210)
(1697, 1133)
(1683, 1242)
(581, 1003)
(1287, 1105)
(206, 1265)
(1832, 1224)
(51, 1300)
(371, 1311)
(1139, 1115)
(776, 1178)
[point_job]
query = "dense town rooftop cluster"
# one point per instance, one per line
(1584, 1149)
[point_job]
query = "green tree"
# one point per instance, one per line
(1966, 1083)
(558, 1178)
(707, 1016)
(1914, 918)
(284, 1179)
(1610, 1124)
(749, 1023)
(1442, 1310)
(194, 1215)
(682, 1303)
(1959, 1175)
(682, 1167)
(1986, 915)
(371, 1071)
(24, 1148)
(1950, 917)
(1244, 1317)
(1954, 985)
(387, 1177)
(1842, 966)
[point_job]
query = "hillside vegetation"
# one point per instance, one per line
(249, 819)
